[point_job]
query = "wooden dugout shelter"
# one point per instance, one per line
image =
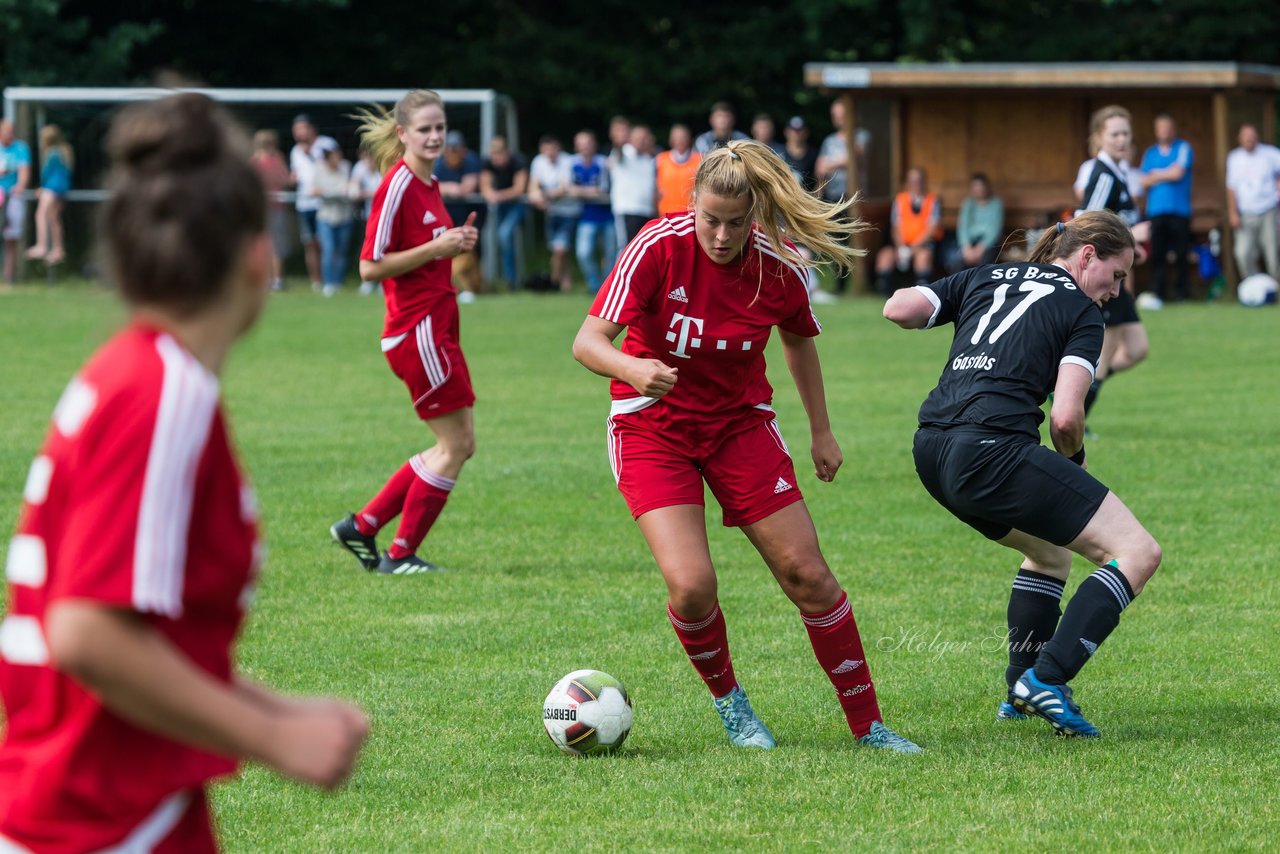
(1026, 125)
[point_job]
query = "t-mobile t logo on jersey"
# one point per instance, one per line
(683, 340)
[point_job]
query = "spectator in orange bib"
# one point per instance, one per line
(915, 224)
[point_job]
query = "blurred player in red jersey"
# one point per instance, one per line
(137, 546)
(699, 294)
(410, 243)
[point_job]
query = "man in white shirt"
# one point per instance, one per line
(1253, 193)
(550, 182)
(309, 147)
(633, 183)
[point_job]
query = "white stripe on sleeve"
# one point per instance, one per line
(188, 400)
(1076, 360)
(390, 208)
(1101, 191)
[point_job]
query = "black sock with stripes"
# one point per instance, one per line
(1033, 616)
(1091, 615)
(1091, 396)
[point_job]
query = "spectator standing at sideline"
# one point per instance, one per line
(799, 154)
(304, 155)
(633, 184)
(365, 179)
(332, 186)
(15, 177)
(722, 130)
(57, 160)
(1253, 192)
(833, 165)
(834, 160)
(1166, 174)
(458, 172)
(765, 132)
(550, 185)
(595, 225)
(676, 168)
(979, 228)
(619, 134)
(269, 162)
(504, 180)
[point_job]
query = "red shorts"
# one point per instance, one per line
(749, 470)
(428, 359)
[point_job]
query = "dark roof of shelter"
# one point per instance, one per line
(886, 76)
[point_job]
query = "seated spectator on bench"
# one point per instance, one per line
(980, 227)
(915, 224)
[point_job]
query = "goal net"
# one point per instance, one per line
(84, 114)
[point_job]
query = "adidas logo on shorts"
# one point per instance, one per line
(678, 295)
(781, 486)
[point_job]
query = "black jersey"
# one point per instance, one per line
(1015, 324)
(1108, 189)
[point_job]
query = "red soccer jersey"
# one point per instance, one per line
(136, 502)
(710, 321)
(408, 212)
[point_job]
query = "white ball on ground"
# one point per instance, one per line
(1258, 289)
(587, 712)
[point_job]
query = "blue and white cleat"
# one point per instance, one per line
(1007, 712)
(745, 728)
(1053, 703)
(883, 738)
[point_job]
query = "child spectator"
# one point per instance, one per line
(57, 161)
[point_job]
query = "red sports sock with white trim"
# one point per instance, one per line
(385, 506)
(422, 505)
(706, 640)
(837, 645)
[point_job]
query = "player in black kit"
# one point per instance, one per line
(1104, 182)
(1021, 331)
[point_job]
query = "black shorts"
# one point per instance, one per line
(1121, 310)
(996, 482)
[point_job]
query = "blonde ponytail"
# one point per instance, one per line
(781, 208)
(378, 128)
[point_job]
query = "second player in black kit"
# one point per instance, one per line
(1023, 330)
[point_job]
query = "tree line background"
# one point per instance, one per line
(574, 63)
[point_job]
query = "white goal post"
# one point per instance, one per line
(27, 107)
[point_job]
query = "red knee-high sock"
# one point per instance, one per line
(836, 643)
(386, 505)
(422, 505)
(707, 643)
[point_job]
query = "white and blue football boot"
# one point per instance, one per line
(1053, 703)
(744, 726)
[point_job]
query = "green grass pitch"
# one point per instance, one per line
(549, 574)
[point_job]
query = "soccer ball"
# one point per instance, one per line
(1258, 289)
(587, 712)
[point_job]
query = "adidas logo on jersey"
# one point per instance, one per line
(678, 295)
(428, 218)
(781, 486)
(846, 666)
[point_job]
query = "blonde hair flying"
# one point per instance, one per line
(781, 208)
(378, 127)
